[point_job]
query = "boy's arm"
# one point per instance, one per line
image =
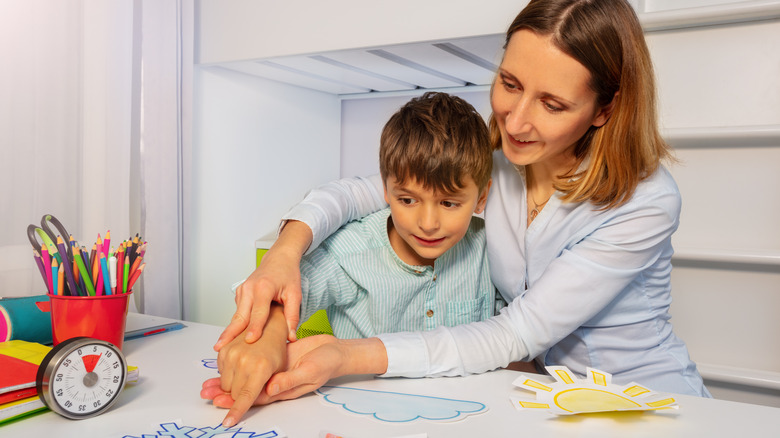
(245, 368)
(277, 279)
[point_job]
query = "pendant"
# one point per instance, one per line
(533, 215)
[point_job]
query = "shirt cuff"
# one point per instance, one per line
(311, 215)
(407, 355)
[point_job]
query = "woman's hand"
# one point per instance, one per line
(314, 360)
(278, 278)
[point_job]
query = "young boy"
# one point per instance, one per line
(416, 265)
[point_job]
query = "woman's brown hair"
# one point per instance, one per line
(604, 36)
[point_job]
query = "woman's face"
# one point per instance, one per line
(542, 102)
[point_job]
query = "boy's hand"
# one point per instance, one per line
(278, 278)
(245, 368)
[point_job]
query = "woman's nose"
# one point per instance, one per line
(519, 118)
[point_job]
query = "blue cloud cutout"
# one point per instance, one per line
(398, 407)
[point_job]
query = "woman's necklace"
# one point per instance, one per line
(537, 208)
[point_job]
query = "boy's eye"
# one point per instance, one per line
(449, 204)
(406, 201)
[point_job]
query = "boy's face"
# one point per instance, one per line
(427, 223)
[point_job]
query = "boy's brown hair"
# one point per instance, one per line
(438, 140)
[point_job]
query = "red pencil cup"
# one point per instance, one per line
(100, 317)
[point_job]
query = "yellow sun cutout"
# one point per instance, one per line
(595, 393)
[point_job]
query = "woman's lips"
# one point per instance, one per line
(520, 143)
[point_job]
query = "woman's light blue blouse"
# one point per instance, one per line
(586, 287)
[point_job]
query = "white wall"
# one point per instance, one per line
(726, 76)
(363, 118)
(258, 147)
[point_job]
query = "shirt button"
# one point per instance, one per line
(434, 277)
(429, 313)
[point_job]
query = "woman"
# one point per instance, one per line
(579, 222)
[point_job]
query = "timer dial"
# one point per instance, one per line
(81, 377)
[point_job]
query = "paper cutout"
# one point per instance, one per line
(396, 407)
(571, 395)
(173, 430)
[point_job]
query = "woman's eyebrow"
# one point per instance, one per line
(545, 94)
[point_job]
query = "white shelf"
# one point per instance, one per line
(734, 256)
(740, 376)
(723, 136)
(736, 12)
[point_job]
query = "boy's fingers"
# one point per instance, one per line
(241, 404)
(223, 400)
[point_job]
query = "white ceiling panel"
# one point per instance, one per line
(280, 74)
(442, 64)
(369, 61)
(441, 60)
(342, 73)
(488, 47)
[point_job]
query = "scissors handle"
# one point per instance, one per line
(32, 230)
(48, 218)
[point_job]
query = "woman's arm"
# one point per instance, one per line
(322, 212)
(578, 285)
(329, 206)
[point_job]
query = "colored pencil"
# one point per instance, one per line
(104, 274)
(135, 277)
(39, 262)
(133, 247)
(93, 261)
(67, 266)
(84, 275)
(55, 270)
(135, 265)
(126, 276)
(60, 282)
(47, 267)
(107, 243)
(120, 260)
(100, 283)
(92, 256)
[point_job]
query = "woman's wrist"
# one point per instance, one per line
(294, 239)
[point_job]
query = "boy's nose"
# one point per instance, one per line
(428, 220)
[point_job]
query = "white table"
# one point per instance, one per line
(171, 373)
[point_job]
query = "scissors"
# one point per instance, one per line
(47, 236)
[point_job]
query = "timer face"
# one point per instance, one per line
(83, 378)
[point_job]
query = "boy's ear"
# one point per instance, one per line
(387, 199)
(483, 198)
